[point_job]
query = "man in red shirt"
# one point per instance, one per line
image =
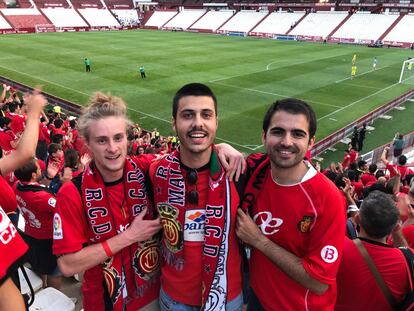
(103, 224)
(357, 288)
(8, 139)
(37, 205)
(369, 178)
(197, 206)
(297, 221)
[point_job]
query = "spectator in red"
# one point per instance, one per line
(357, 288)
(356, 183)
(8, 139)
(37, 205)
(350, 157)
(369, 178)
(400, 167)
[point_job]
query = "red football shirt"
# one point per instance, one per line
(5, 138)
(368, 179)
(185, 285)
(12, 246)
(37, 206)
(308, 220)
(71, 234)
(357, 288)
(7, 198)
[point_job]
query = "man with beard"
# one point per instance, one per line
(197, 206)
(297, 221)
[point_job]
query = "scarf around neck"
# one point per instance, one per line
(170, 198)
(143, 256)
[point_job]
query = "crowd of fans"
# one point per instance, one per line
(380, 201)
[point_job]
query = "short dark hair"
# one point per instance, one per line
(378, 214)
(293, 106)
(402, 160)
(24, 172)
(53, 148)
(372, 168)
(193, 89)
(58, 123)
(71, 158)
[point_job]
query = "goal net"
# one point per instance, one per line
(407, 72)
(45, 28)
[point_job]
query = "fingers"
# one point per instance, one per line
(142, 214)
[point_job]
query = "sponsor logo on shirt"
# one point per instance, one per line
(194, 225)
(267, 224)
(57, 227)
(329, 254)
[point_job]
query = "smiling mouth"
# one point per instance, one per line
(113, 157)
(197, 135)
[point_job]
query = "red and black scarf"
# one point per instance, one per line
(170, 199)
(143, 256)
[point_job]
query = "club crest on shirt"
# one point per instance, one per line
(305, 224)
(147, 259)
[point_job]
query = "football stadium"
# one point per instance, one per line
(352, 61)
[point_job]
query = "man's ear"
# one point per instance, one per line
(173, 125)
(263, 137)
(311, 143)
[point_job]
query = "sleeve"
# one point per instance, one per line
(144, 161)
(69, 223)
(12, 246)
(327, 237)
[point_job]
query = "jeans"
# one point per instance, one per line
(169, 304)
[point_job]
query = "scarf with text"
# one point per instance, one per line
(170, 198)
(257, 168)
(143, 256)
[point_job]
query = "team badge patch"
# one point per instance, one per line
(52, 202)
(112, 280)
(57, 227)
(172, 229)
(305, 224)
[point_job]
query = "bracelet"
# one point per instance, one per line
(107, 249)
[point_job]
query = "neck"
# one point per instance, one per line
(363, 234)
(289, 176)
(195, 159)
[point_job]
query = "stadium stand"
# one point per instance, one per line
(126, 17)
(4, 24)
(402, 32)
(278, 23)
(184, 19)
(51, 3)
(79, 4)
(364, 27)
(25, 4)
(64, 17)
(212, 20)
(99, 17)
(159, 18)
(318, 24)
(119, 4)
(24, 18)
(243, 21)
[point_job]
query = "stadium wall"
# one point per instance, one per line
(337, 136)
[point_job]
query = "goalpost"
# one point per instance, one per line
(407, 72)
(45, 28)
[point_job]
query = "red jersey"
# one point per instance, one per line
(44, 133)
(185, 285)
(12, 247)
(5, 138)
(17, 122)
(357, 288)
(358, 187)
(37, 206)
(404, 170)
(368, 179)
(308, 220)
(71, 233)
(7, 197)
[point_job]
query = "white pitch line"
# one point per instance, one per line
(361, 74)
(357, 101)
(363, 86)
(141, 112)
(271, 93)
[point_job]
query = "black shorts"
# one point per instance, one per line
(40, 255)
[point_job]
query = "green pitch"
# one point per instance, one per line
(247, 74)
